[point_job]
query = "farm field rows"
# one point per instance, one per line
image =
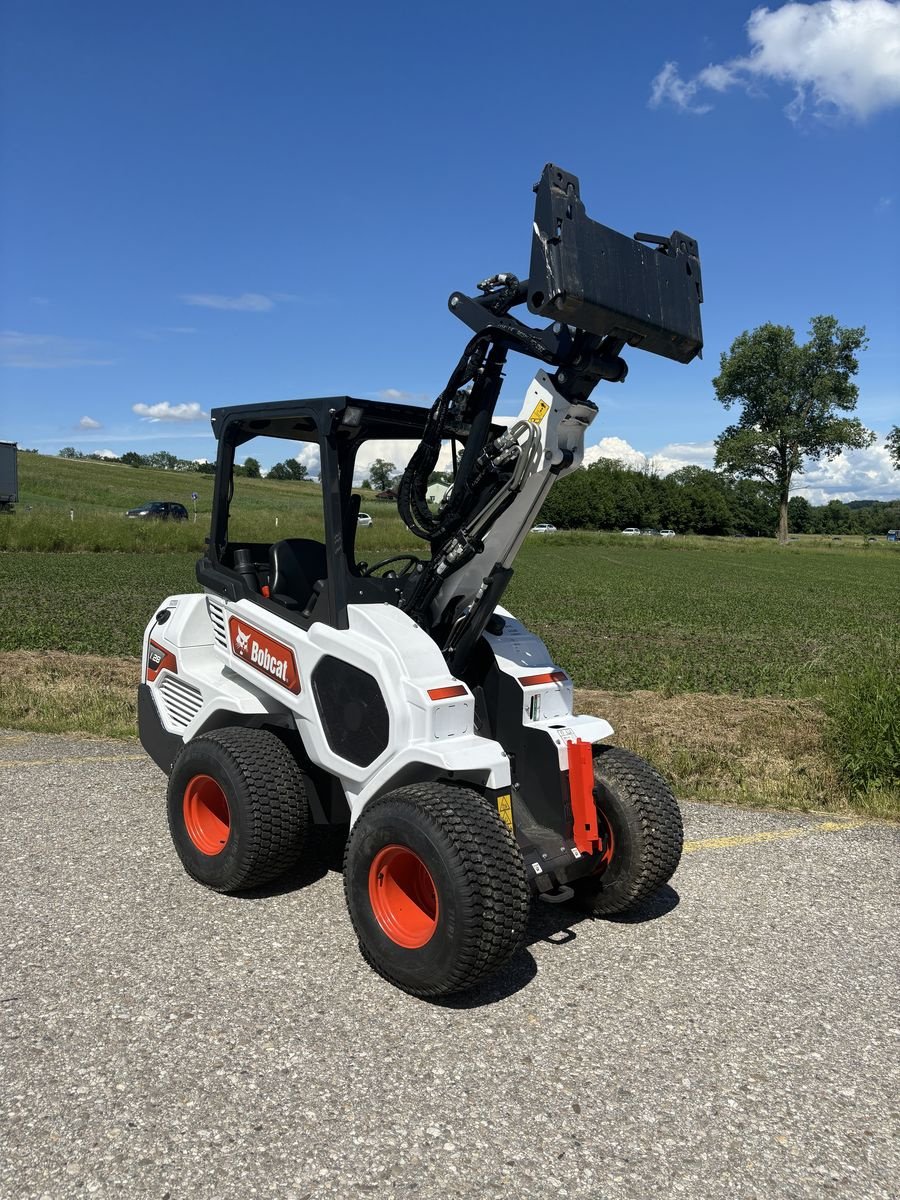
(619, 616)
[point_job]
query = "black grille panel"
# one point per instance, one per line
(352, 709)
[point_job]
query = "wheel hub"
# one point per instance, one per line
(207, 818)
(403, 896)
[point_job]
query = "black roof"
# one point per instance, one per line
(307, 420)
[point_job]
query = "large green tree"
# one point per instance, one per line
(893, 446)
(289, 469)
(380, 473)
(793, 401)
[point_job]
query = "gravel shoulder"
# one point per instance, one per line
(739, 1039)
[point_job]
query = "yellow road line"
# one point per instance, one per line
(771, 835)
(83, 758)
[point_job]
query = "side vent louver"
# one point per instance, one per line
(217, 619)
(182, 700)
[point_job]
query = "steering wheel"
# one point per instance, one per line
(410, 559)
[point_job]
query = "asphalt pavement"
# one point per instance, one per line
(738, 1038)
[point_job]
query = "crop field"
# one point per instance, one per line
(622, 616)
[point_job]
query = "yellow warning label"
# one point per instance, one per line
(540, 411)
(504, 808)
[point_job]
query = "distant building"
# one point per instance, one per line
(436, 492)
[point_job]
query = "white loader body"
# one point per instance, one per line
(211, 676)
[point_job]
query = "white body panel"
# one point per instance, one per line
(427, 738)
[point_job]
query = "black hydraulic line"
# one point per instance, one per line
(482, 363)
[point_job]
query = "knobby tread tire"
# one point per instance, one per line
(647, 828)
(482, 883)
(267, 799)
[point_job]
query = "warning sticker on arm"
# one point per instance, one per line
(504, 808)
(540, 411)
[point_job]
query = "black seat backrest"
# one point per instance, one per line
(297, 564)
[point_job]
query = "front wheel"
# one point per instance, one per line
(436, 888)
(641, 821)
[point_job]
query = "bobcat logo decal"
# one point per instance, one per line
(267, 655)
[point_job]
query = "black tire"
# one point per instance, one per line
(262, 830)
(480, 900)
(642, 815)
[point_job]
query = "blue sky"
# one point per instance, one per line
(215, 203)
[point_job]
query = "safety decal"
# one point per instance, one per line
(504, 808)
(540, 411)
(269, 656)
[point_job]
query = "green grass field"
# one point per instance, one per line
(768, 622)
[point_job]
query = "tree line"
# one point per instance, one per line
(610, 495)
(162, 460)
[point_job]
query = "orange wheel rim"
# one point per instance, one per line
(403, 897)
(608, 848)
(207, 818)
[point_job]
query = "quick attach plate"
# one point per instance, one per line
(588, 275)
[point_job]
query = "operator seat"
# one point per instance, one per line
(296, 566)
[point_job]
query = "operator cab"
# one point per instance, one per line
(309, 578)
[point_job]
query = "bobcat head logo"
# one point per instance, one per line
(242, 638)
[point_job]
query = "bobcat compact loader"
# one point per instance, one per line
(398, 698)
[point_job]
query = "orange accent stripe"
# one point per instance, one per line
(445, 693)
(581, 795)
(545, 677)
(167, 662)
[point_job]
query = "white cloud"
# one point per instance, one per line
(165, 411)
(396, 396)
(618, 448)
(106, 454)
(89, 423)
(854, 475)
(669, 86)
(664, 461)
(246, 302)
(842, 55)
(40, 351)
(397, 451)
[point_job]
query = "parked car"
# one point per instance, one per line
(649, 533)
(364, 519)
(160, 510)
(544, 527)
(667, 533)
(631, 531)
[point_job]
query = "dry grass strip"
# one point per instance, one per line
(765, 752)
(762, 751)
(53, 692)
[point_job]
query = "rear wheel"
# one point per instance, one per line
(436, 888)
(237, 808)
(642, 833)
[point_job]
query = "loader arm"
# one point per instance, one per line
(604, 291)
